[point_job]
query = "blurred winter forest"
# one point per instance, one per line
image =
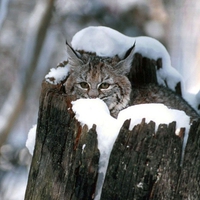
(32, 41)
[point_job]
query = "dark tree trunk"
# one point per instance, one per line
(61, 168)
(142, 165)
(149, 165)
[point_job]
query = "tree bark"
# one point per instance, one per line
(142, 165)
(61, 167)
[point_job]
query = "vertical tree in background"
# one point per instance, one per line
(36, 33)
(184, 41)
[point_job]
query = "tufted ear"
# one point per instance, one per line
(74, 59)
(124, 66)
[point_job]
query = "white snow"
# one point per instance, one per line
(30, 142)
(56, 75)
(95, 111)
(154, 112)
(107, 42)
(193, 100)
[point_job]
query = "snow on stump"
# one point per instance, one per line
(68, 163)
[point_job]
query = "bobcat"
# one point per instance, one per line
(92, 76)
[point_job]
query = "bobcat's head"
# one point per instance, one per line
(105, 78)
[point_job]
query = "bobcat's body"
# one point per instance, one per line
(152, 93)
(92, 76)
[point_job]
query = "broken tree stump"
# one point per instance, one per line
(142, 165)
(60, 168)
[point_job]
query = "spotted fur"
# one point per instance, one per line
(92, 76)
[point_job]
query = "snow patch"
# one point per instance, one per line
(95, 111)
(30, 142)
(193, 100)
(159, 113)
(107, 42)
(56, 75)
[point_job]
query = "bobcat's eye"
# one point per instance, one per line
(84, 85)
(104, 86)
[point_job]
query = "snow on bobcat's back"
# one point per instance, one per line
(108, 42)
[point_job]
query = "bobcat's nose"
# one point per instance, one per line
(93, 93)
